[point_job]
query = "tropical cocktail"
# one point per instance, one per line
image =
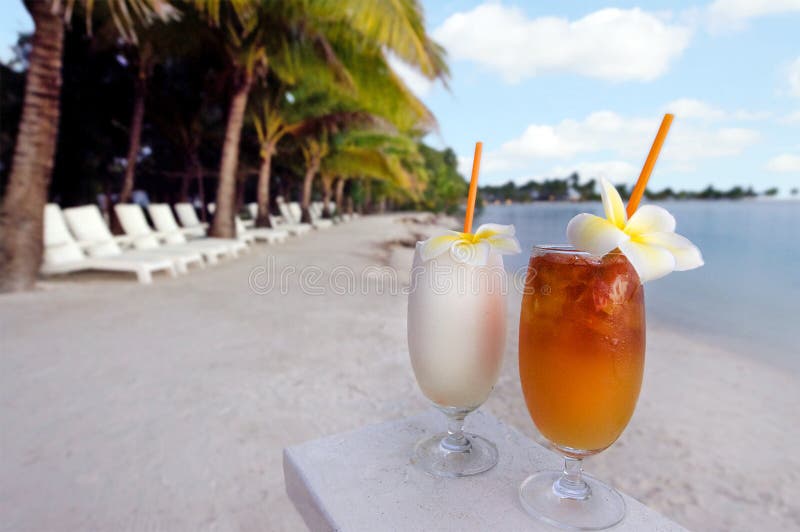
(456, 339)
(582, 344)
(457, 333)
(581, 350)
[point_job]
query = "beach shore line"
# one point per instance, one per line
(167, 406)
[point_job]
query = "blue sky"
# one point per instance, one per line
(725, 70)
(551, 87)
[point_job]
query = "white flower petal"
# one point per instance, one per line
(687, 255)
(436, 245)
(612, 204)
(650, 219)
(504, 244)
(476, 254)
(490, 230)
(650, 262)
(596, 235)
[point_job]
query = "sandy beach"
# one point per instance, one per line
(166, 407)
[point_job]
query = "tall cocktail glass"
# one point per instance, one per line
(456, 338)
(581, 358)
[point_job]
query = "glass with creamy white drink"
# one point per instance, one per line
(456, 338)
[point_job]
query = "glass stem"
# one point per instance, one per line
(455, 440)
(571, 484)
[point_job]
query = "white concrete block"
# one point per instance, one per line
(365, 480)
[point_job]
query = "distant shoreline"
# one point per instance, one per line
(670, 200)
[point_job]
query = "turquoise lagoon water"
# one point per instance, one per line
(747, 296)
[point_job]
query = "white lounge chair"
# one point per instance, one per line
(291, 228)
(338, 213)
(165, 224)
(188, 218)
(89, 227)
(337, 216)
(278, 222)
(318, 212)
(297, 214)
(315, 210)
(287, 215)
(252, 210)
(62, 254)
(260, 234)
(212, 208)
(131, 217)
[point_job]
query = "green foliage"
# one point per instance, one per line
(571, 188)
(320, 72)
(445, 189)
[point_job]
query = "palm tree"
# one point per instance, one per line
(314, 149)
(307, 113)
(367, 155)
(243, 33)
(379, 93)
(339, 194)
(271, 126)
(261, 34)
(157, 43)
(21, 215)
(144, 66)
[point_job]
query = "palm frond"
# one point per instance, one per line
(128, 16)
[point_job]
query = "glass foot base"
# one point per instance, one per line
(433, 457)
(602, 508)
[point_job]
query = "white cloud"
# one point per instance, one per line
(734, 14)
(793, 72)
(465, 166)
(615, 171)
(784, 163)
(791, 118)
(691, 144)
(743, 114)
(625, 138)
(416, 82)
(690, 108)
(611, 44)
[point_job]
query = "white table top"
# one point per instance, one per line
(364, 480)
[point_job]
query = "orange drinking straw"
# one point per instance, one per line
(473, 187)
(641, 184)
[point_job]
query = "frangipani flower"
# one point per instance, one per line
(648, 239)
(472, 248)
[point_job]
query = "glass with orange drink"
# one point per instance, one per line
(582, 342)
(581, 359)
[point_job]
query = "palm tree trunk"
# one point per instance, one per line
(327, 186)
(134, 142)
(339, 195)
(201, 189)
(22, 212)
(308, 180)
(223, 224)
(366, 202)
(262, 191)
(186, 179)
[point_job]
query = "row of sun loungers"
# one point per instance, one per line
(78, 238)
